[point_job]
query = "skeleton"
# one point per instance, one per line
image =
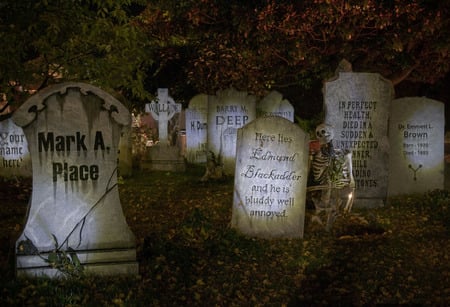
(333, 180)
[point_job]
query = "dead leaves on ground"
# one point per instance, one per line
(188, 255)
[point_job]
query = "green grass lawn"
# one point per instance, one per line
(188, 255)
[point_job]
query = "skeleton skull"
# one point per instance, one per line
(324, 133)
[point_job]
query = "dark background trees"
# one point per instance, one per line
(135, 46)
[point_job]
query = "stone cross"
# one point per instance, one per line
(163, 111)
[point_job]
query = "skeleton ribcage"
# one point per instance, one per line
(330, 169)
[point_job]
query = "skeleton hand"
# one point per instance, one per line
(340, 184)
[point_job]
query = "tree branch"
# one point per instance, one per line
(402, 75)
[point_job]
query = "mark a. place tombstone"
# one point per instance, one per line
(228, 110)
(416, 135)
(357, 107)
(73, 132)
(270, 179)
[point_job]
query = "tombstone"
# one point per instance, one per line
(73, 132)
(270, 179)
(163, 110)
(357, 106)
(196, 129)
(416, 135)
(227, 111)
(15, 158)
(125, 153)
(163, 156)
(274, 105)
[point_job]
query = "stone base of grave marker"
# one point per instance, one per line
(163, 158)
(98, 262)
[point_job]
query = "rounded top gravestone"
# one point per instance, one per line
(73, 132)
(270, 179)
(416, 134)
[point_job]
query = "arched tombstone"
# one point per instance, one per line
(273, 104)
(270, 179)
(416, 135)
(73, 132)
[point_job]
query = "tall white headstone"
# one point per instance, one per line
(196, 129)
(270, 179)
(227, 111)
(357, 107)
(416, 135)
(73, 132)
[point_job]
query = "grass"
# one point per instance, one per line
(188, 255)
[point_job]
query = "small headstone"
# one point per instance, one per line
(73, 132)
(357, 106)
(15, 158)
(274, 105)
(228, 111)
(196, 129)
(416, 134)
(270, 179)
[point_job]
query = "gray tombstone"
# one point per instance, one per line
(73, 132)
(270, 179)
(416, 135)
(274, 105)
(196, 129)
(227, 111)
(357, 107)
(15, 158)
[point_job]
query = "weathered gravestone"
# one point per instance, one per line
(163, 156)
(15, 158)
(196, 129)
(274, 105)
(270, 179)
(357, 107)
(73, 132)
(228, 110)
(416, 134)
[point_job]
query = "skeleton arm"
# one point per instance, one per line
(348, 158)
